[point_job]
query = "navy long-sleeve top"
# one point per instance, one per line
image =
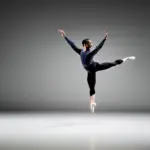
(86, 56)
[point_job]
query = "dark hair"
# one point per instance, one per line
(85, 41)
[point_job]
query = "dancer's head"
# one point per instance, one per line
(87, 43)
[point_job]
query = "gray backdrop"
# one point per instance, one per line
(39, 71)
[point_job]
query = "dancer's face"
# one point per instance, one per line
(89, 44)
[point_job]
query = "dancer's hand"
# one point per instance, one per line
(62, 32)
(106, 34)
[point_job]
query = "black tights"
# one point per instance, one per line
(91, 77)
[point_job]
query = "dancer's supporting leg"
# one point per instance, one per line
(91, 79)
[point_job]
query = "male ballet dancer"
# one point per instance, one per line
(86, 55)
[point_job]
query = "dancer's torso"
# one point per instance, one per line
(87, 61)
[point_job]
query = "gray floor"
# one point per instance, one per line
(57, 131)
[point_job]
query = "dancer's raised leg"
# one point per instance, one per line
(107, 65)
(129, 58)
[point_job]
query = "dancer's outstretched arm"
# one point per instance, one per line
(94, 52)
(74, 47)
